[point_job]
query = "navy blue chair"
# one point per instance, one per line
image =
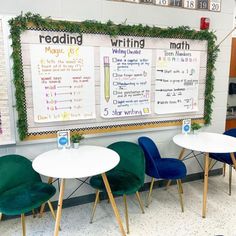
(225, 157)
(162, 168)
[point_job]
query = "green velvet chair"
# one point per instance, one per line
(126, 178)
(21, 188)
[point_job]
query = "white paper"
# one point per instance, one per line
(177, 80)
(125, 82)
(63, 82)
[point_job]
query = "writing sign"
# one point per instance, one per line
(125, 81)
(62, 82)
(177, 80)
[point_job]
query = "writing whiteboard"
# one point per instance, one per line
(125, 82)
(109, 86)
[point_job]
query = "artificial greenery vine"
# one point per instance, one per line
(34, 21)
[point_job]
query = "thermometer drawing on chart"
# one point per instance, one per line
(106, 78)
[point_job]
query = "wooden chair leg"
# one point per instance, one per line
(0, 216)
(224, 169)
(23, 224)
(140, 201)
(34, 214)
(126, 214)
(94, 206)
(52, 211)
(150, 192)
(50, 179)
(180, 194)
(181, 156)
(230, 179)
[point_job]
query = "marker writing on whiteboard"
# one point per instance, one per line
(106, 78)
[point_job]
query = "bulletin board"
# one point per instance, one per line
(100, 78)
(6, 122)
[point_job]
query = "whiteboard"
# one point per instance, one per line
(62, 82)
(106, 117)
(125, 78)
(177, 81)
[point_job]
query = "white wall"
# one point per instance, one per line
(102, 10)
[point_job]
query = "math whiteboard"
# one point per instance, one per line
(119, 82)
(177, 81)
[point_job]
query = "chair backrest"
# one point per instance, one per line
(151, 153)
(132, 158)
(231, 132)
(16, 170)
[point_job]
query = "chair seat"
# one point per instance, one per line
(222, 157)
(169, 168)
(24, 198)
(121, 182)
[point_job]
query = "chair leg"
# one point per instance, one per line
(34, 214)
(126, 214)
(95, 205)
(50, 180)
(180, 194)
(150, 192)
(224, 169)
(140, 201)
(230, 179)
(0, 216)
(23, 224)
(52, 211)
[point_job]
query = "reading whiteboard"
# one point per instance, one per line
(177, 80)
(125, 82)
(62, 82)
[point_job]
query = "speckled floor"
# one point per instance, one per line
(162, 218)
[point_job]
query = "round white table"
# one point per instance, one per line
(78, 163)
(207, 143)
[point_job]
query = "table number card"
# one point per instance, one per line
(186, 126)
(63, 139)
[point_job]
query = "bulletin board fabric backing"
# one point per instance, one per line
(99, 108)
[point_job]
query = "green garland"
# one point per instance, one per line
(23, 22)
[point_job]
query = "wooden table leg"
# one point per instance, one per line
(113, 204)
(59, 207)
(206, 165)
(181, 155)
